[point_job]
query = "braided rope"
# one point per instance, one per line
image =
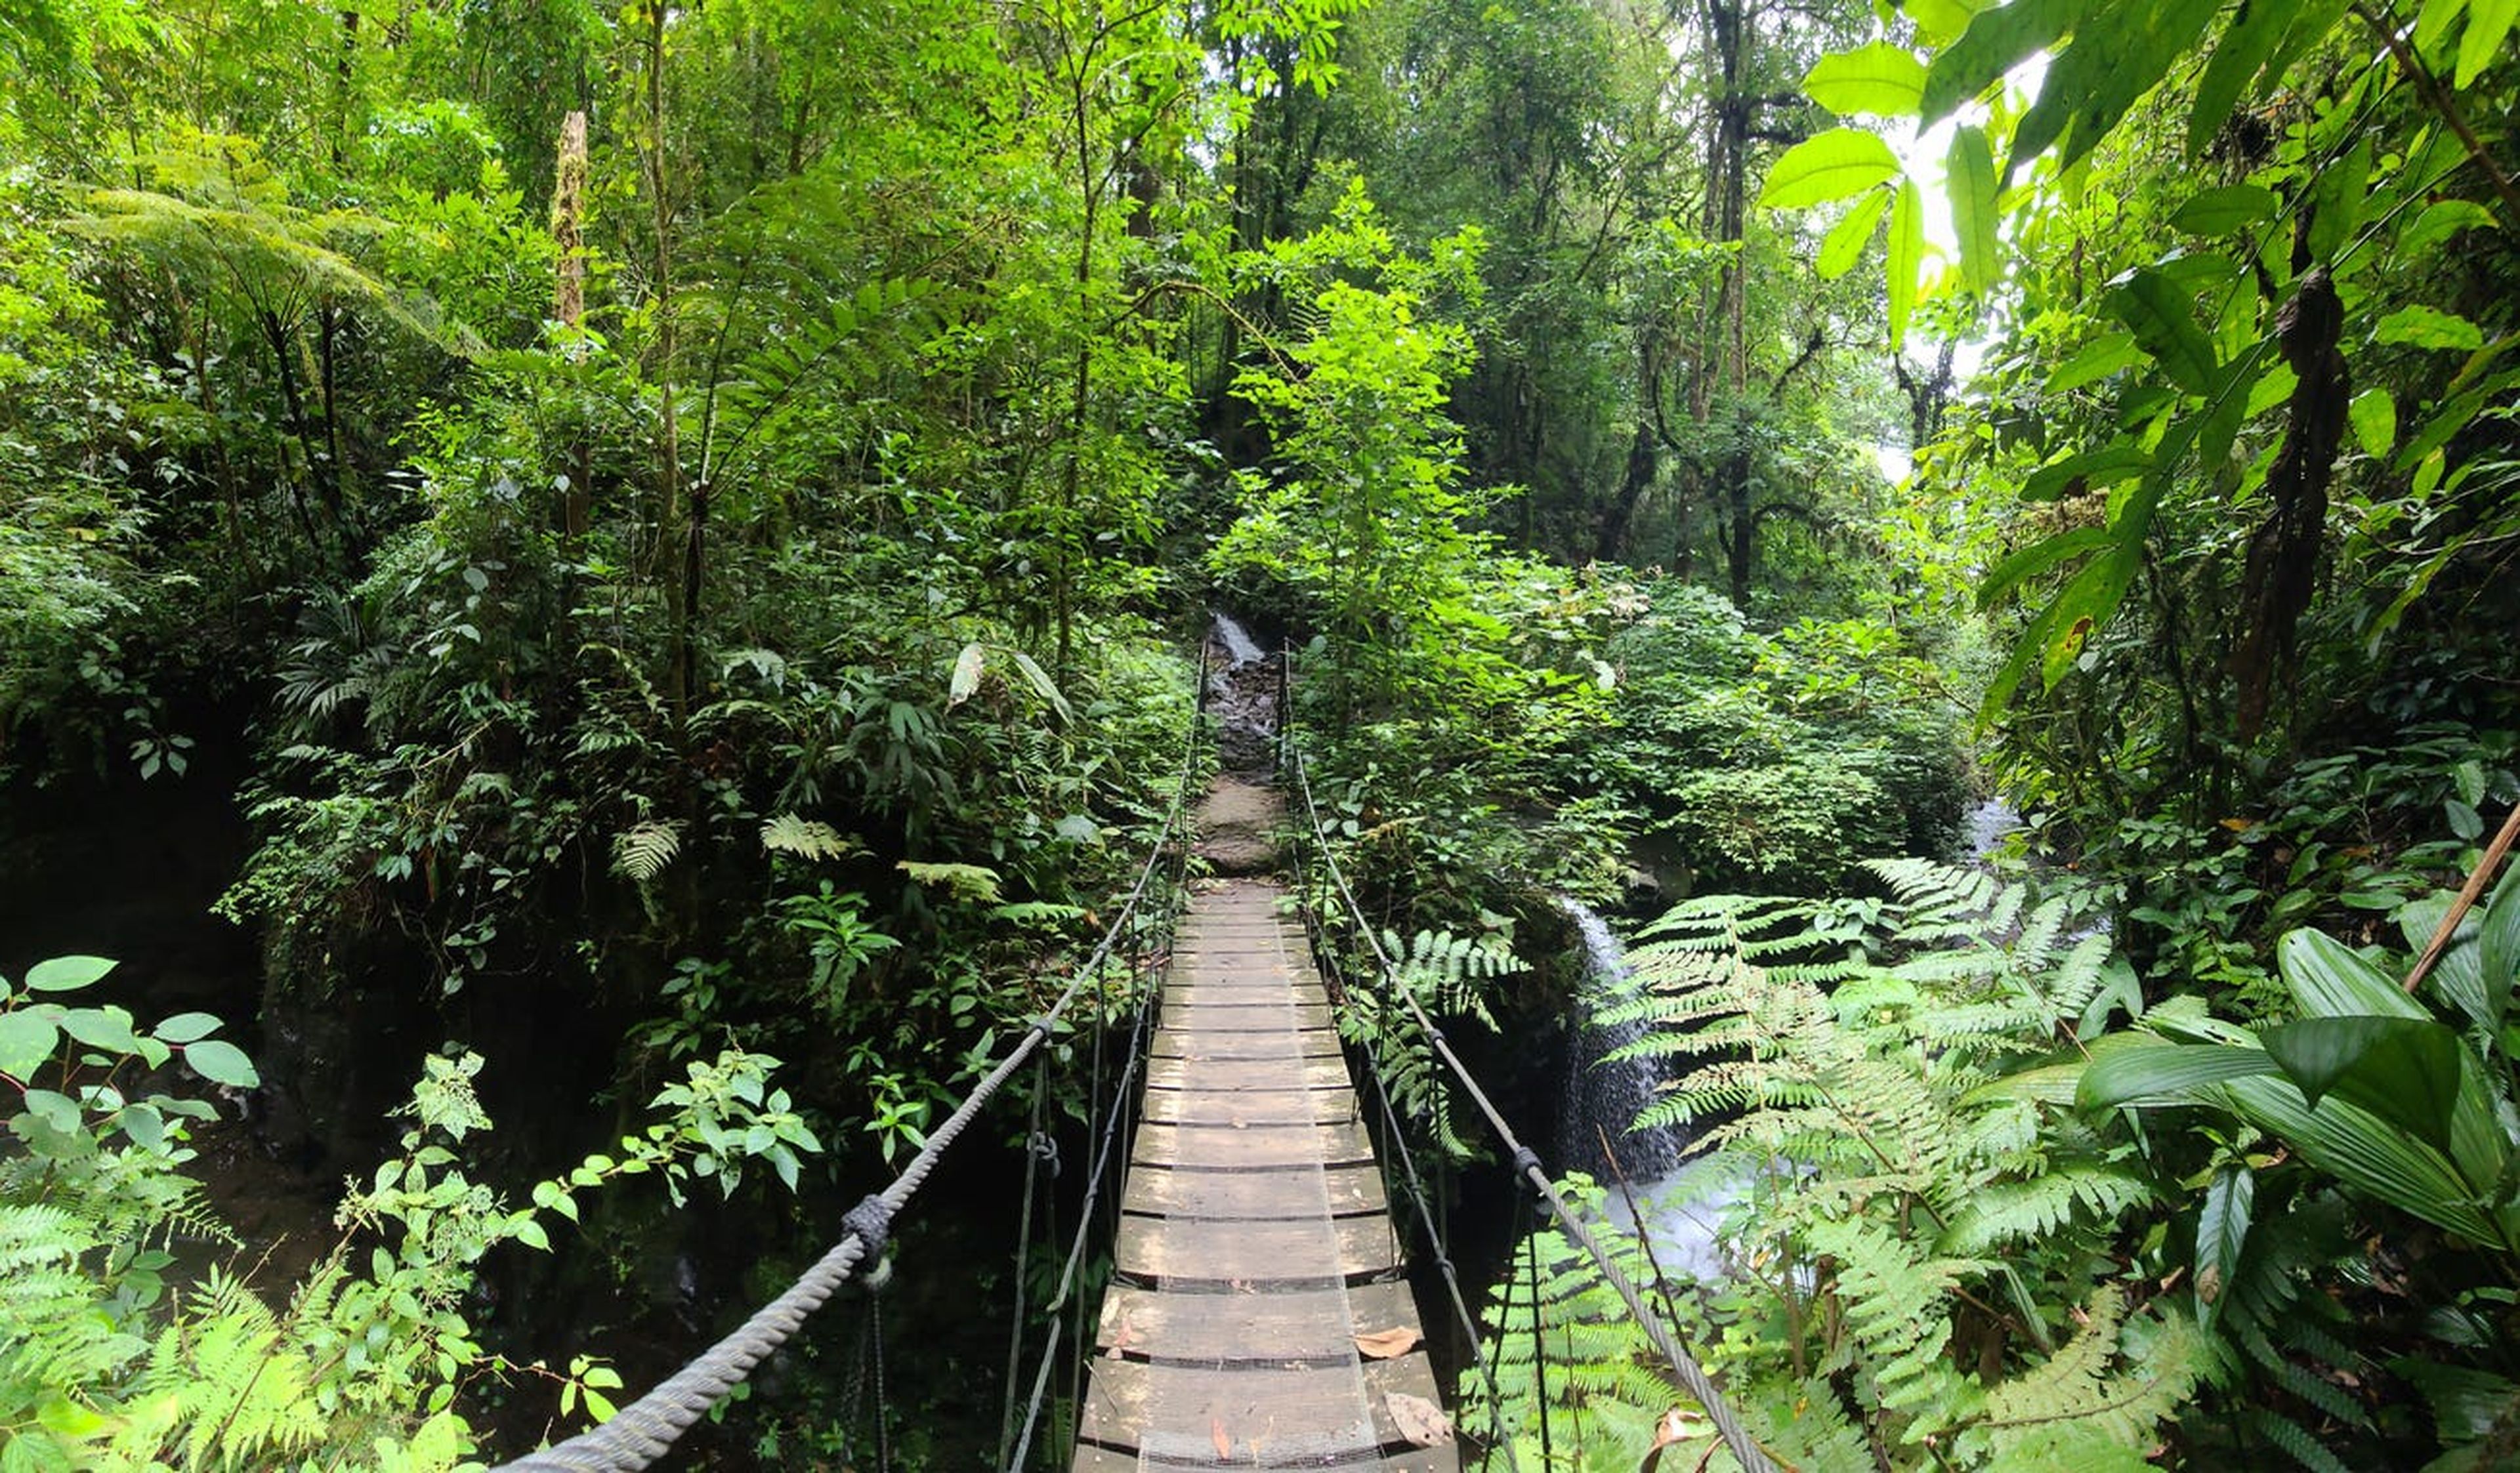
(644, 1431)
(1693, 1376)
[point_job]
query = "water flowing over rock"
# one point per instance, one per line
(1239, 648)
(1604, 1096)
(1989, 825)
(1243, 695)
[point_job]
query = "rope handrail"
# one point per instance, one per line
(640, 1433)
(1526, 1163)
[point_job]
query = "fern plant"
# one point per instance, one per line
(104, 1365)
(1441, 972)
(1923, 1252)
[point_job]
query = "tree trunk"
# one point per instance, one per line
(1632, 485)
(568, 305)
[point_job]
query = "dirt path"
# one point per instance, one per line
(1238, 826)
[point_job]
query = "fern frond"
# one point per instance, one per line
(806, 838)
(641, 852)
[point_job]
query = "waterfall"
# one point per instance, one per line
(1604, 1096)
(1989, 825)
(1239, 648)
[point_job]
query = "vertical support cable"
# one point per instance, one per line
(1539, 1348)
(1023, 1257)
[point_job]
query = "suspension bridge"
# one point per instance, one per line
(1258, 1312)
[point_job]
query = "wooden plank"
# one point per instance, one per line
(1319, 1071)
(1295, 1325)
(1336, 1144)
(1251, 1417)
(1171, 1043)
(1277, 1013)
(1254, 1195)
(1093, 1459)
(1248, 1107)
(1262, 1416)
(1313, 1250)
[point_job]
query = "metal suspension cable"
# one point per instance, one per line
(1094, 1178)
(1422, 1200)
(644, 1430)
(1033, 1140)
(1526, 1163)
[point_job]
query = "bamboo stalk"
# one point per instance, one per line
(2467, 896)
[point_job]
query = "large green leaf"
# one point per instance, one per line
(2488, 22)
(2016, 665)
(1838, 164)
(2330, 980)
(66, 974)
(2498, 944)
(2336, 199)
(2374, 416)
(1880, 79)
(2222, 1231)
(222, 1062)
(2457, 975)
(1907, 256)
(1996, 41)
(2431, 327)
(1941, 22)
(2087, 603)
(1846, 239)
(2163, 318)
(2121, 50)
(1969, 170)
(2366, 1153)
(2221, 211)
(2120, 460)
(26, 1040)
(2165, 1073)
(2238, 57)
(2107, 354)
(2037, 558)
(2407, 1071)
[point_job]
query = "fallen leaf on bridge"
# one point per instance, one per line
(1420, 1420)
(1383, 1345)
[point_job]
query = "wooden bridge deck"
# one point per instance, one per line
(1255, 1250)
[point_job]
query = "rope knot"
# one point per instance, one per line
(871, 1222)
(1525, 1161)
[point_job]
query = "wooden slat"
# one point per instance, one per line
(1334, 1145)
(1255, 1196)
(1295, 1325)
(1314, 1249)
(1251, 1417)
(1248, 1108)
(1325, 1071)
(1171, 1043)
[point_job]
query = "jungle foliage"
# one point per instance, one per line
(674, 525)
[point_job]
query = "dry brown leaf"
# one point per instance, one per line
(1420, 1420)
(1216, 1431)
(1383, 1345)
(1673, 1428)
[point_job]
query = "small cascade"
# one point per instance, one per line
(1989, 825)
(1239, 648)
(1604, 1096)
